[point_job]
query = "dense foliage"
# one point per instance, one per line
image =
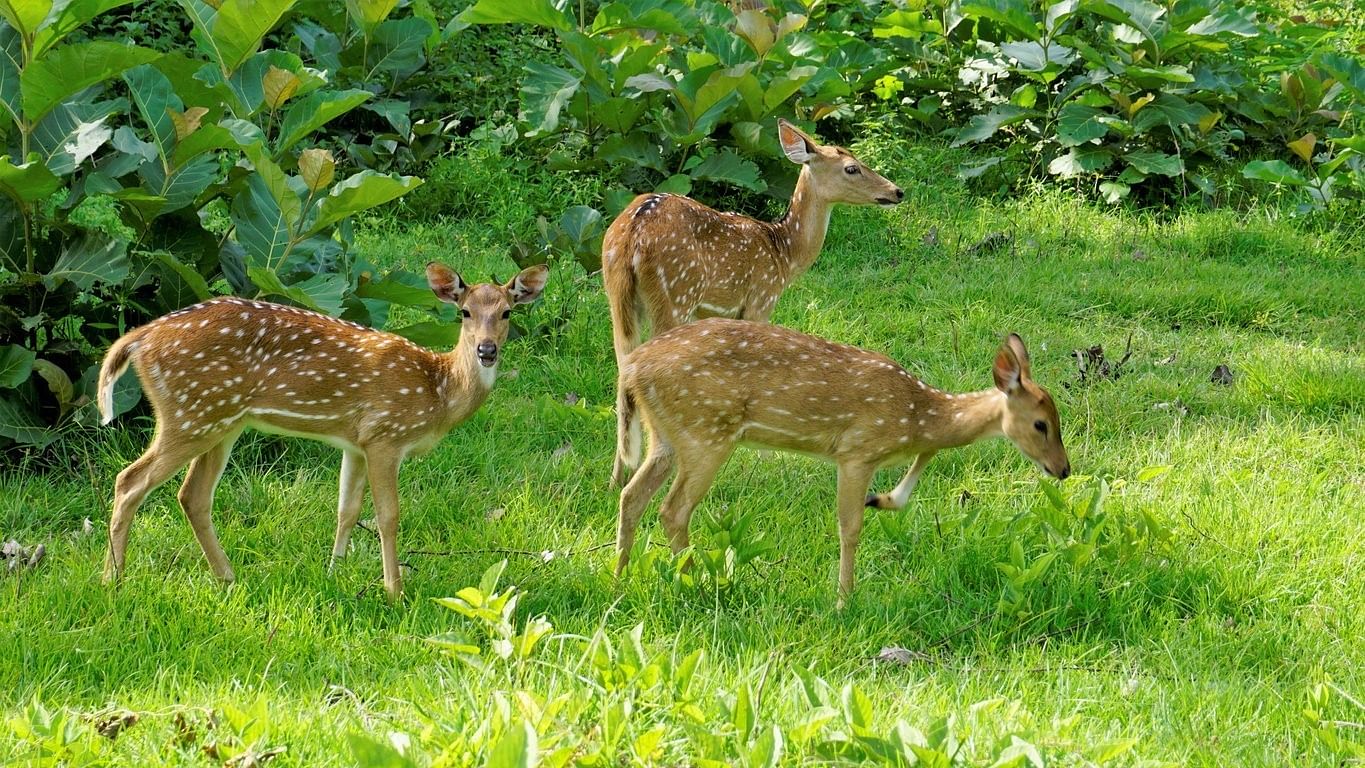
(139, 181)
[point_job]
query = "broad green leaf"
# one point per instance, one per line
(183, 184)
(11, 62)
(430, 334)
(400, 288)
(1236, 20)
(1156, 162)
(67, 19)
(1106, 751)
(618, 16)
(314, 111)
(16, 363)
(984, 126)
(1077, 124)
(1274, 172)
(397, 48)
(1033, 57)
(262, 229)
(275, 183)
(727, 166)
(188, 274)
(1081, 160)
(239, 26)
(516, 749)
(1014, 15)
(1347, 70)
(1114, 191)
(25, 15)
(360, 192)
(72, 132)
(154, 96)
(20, 424)
(58, 382)
(322, 292)
(64, 71)
(89, 260)
(782, 88)
(538, 12)
(206, 139)
(767, 749)
(369, 13)
(545, 91)
(1168, 110)
(1057, 13)
(973, 169)
(28, 182)
(1141, 15)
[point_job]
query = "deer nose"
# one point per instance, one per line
(1065, 473)
(488, 352)
(900, 194)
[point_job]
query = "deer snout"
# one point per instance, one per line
(1061, 474)
(893, 198)
(487, 352)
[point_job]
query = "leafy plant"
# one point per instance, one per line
(491, 611)
(143, 181)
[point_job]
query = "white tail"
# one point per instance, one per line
(216, 368)
(704, 388)
(668, 260)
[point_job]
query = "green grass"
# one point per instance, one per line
(1202, 649)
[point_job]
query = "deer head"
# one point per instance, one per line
(838, 176)
(1030, 419)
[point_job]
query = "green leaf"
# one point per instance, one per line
(1077, 124)
(239, 26)
(767, 749)
(322, 292)
(16, 363)
(397, 47)
(973, 169)
(20, 424)
(314, 111)
(206, 139)
(728, 167)
(183, 184)
(1081, 160)
(1156, 162)
(782, 88)
(1237, 21)
(430, 334)
(857, 707)
(545, 91)
(11, 61)
(1032, 57)
(72, 132)
(516, 749)
(538, 12)
(1014, 15)
(1138, 14)
(369, 13)
(67, 19)
(28, 182)
(27, 16)
(1275, 172)
(153, 95)
(188, 274)
(1347, 70)
(89, 260)
(402, 288)
(58, 383)
(262, 228)
(1168, 110)
(360, 192)
(984, 126)
(64, 71)
(1114, 191)
(1109, 750)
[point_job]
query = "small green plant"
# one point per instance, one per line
(491, 612)
(57, 738)
(1341, 735)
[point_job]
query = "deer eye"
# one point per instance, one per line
(852, 170)
(1041, 426)
(464, 313)
(506, 313)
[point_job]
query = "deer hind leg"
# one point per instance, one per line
(899, 495)
(853, 482)
(350, 499)
(636, 495)
(196, 499)
(696, 471)
(383, 473)
(163, 458)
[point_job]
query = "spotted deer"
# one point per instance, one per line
(706, 387)
(216, 368)
(668, 260)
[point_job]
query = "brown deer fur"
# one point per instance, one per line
(706, 387)
(668, 260)
(216, 368)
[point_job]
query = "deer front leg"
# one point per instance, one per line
(899, 495)
(383, 465)
(853, 481)
(351, 498)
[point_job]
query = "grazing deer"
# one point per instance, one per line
(669, 260)
(704, 388)
(216, 368)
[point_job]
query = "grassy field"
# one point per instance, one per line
(1226, 590)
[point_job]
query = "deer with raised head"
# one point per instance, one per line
(704, 388)
(216, 368)
(668, 260)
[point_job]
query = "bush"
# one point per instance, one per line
(142, 181)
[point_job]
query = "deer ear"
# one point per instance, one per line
(1016, 346)
(1007, 370)
(526, 287)
(446, 283)
(798, 147)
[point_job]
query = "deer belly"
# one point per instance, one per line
(757, 434)
(278, 424)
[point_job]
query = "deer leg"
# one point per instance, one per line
(383, 471)
(853, 482)
(635, 497)
(155, 466)
(351, 498)
(695, 475)
(196, 499)
(901, 493)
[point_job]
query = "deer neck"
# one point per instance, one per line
(467, 382)
(962, 419)
(802, 230)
